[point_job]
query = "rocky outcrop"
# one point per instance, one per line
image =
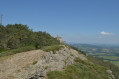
(57, 61)
(111, 75)
(36, 64)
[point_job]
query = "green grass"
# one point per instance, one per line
(53, 48)
(110, 57)
(2, 50)
(114, 68)
(6, 53)
(14, 51)
(34, 62)
(81, 70)
(79, 51)
(4, 57)
(98, 53)
(116, 63)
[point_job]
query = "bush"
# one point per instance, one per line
(18, 37)
(108, 65)
(14, 51)
(53, 48)
(79, 71)
(78, 50)
(34, 62)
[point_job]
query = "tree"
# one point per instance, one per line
(3, 37)
(18, 35)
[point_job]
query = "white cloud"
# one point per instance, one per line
(105, 33)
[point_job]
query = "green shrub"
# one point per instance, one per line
(71, 55)
(78, 60)
(34, 62)
(82, 52)
(37, 46)
(14, 51)
(108, 65)
(53, 48)
(17, 37)
(2, 50)
(56, 75)
(79, 71)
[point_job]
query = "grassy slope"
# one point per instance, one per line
(92, 69)
(108, 65)
(116, 63)
(53, 48)
(14, 51)
(4, 54)
(80, 70)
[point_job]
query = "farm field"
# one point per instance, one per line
(106, 53)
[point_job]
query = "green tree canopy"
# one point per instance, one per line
(18, 35)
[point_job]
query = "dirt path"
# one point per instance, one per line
(17, 62)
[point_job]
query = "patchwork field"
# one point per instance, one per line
(106, 53)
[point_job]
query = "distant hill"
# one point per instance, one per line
(105, 52)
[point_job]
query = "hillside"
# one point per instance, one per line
(66, 63)
(18, 35)
(18, 38)
(25, 54)
(107, 53)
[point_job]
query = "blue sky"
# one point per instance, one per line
(77, 21)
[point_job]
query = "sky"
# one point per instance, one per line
(76, 21)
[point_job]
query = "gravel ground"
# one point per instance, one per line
(16, 63)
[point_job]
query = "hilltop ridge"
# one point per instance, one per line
(38, 64)
(25, 54)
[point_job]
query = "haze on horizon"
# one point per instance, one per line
(77, 21)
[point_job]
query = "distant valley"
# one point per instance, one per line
(105, 52)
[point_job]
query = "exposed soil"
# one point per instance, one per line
(17, 62)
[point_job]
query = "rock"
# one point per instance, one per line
(109, 71)
(49, 62)
(42, 73)
(111, 75)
